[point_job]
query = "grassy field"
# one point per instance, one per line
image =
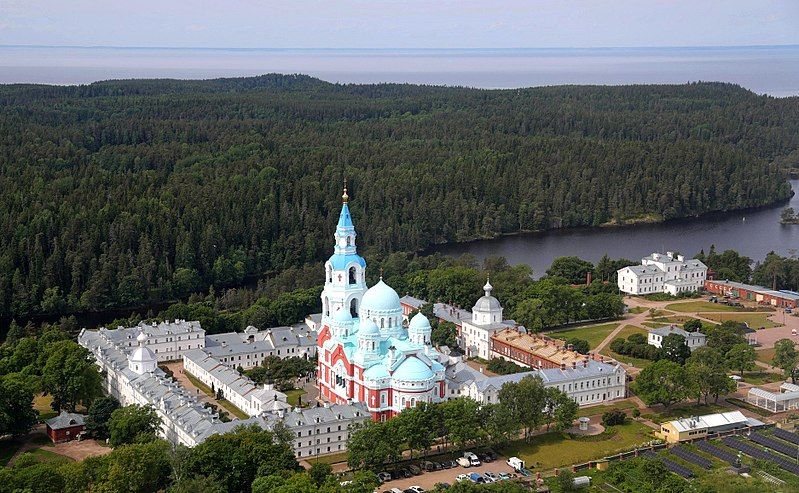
(330, 458)
(765, 355)
(293, 396)
(232, 409)
(555, 449)
(596, 410)
(43, 455)
(197, 383)
(761, 377)
(701, 306)
(673, 319)
(755, 320)
(630, 330)
(42, 403)
(593, 334)
(637, 309)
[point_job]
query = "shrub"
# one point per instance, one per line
(614, 417)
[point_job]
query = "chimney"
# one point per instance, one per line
(585, 363)
(574, 365)
(563, 366)
(601, 359)
(571, 347)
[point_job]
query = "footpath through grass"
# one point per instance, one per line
(222, 402)
(701, 306)
(593, 334)
(754, 319)
(555, 449)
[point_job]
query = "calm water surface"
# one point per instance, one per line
(752, 233)
(766, 70)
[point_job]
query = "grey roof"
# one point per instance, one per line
(591, 369)
(179, 405)
(411, 301)
(65, 420)
(487, 304)
(784, 293)
(253, 340)
(326, 414)
(664, 331)
(443, 311)
(161, 329)
(463, 374)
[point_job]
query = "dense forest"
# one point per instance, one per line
(123, 193)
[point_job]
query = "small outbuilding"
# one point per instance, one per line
(65, 426)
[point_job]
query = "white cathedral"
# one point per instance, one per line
(366, 353)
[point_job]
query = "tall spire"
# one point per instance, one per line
(344, 196)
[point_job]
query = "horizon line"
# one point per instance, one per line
(250, 48)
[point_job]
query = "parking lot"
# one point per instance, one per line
(428, 479)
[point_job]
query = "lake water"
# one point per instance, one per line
(752, 233)
(770, 70)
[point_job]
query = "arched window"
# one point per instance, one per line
(354, 307)
(327, 307)
(352, 275)
(389, 323)
(349, 240)
(382, 323)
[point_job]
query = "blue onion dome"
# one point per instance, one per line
(419, 322)
(412, 369)
(368, 329)
(380, 298)
(342, 316)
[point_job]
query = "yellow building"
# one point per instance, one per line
(694, 427)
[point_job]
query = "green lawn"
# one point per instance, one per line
(43, 455)
(630, 330)
(42, 403)
(232, 409)
(543, 452)
(765, 355)
(293, 396)
(755, 320)
(701, 306)
(673, 319)
(760, 377)
(330, 458)
(637, 309)
(593, 334)
(197, 383)
(596, 410)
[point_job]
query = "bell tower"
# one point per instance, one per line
(345, 270)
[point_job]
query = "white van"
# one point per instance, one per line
(516, 463)
(473, 460)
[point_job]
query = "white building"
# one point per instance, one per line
(168, 340)
(238, 389)
(486, 319)
(692, 339)
(591, 382)
(249, 348)
(663, 273)
(132, 376)
(787, 399)
(324, 429)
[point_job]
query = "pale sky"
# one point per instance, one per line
(399, 24)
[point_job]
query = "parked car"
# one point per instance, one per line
(428, 466)
(446, 464)
(503, 476)
(473, 460)
(415, 470)
(396, 490)
(485, 457)
(464, 462)
(416, 489)
(490, 477)
(476, 477)
(384, 476)
(453, 463)
(462, 477)
(406, 473)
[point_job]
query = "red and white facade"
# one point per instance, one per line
(366, 353)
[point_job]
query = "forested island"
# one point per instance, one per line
(125, 193)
